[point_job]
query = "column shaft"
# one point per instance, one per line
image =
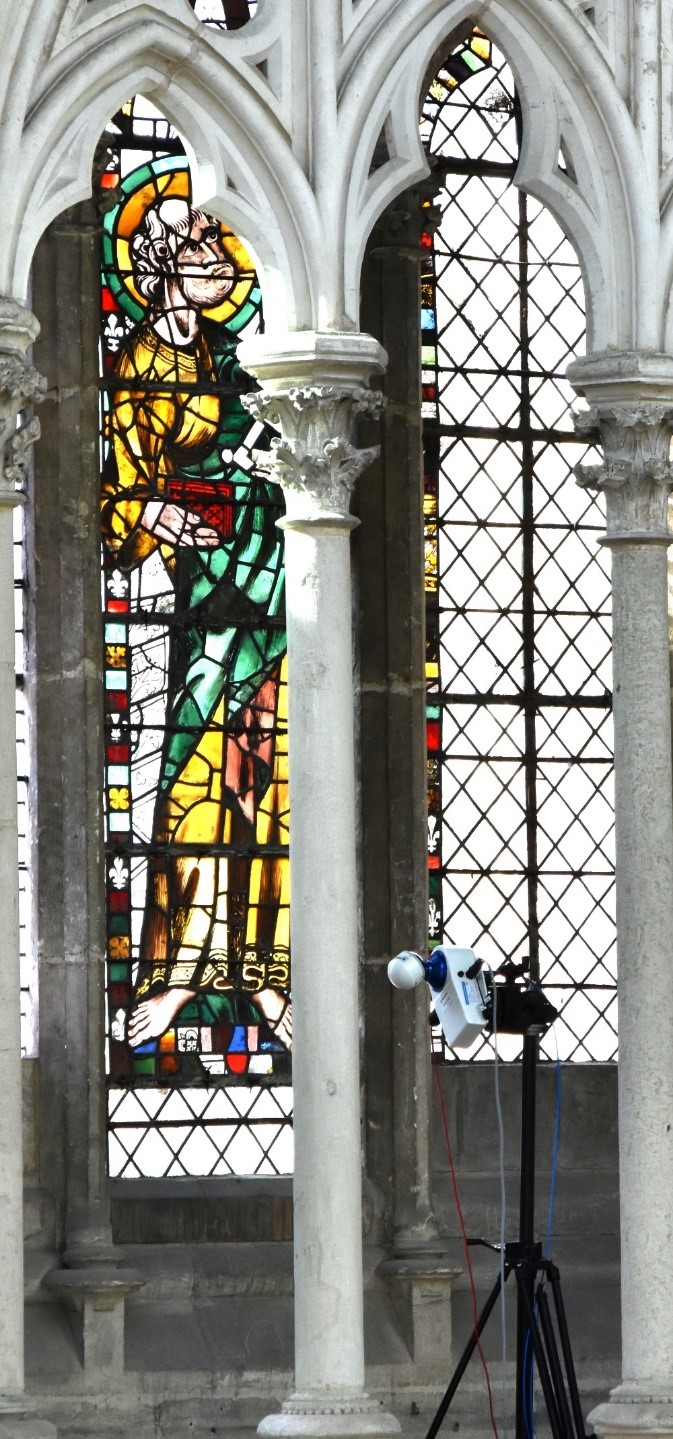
(631, 411)
(327, 1185)
(67, 669)
(644, 826)
(390, 548)
(313, 384)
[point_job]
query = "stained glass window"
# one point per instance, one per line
(196, 802)
(224, 14)
(520, 749)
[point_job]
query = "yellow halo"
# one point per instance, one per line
(175, 184)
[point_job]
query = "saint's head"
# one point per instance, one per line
(179, 261)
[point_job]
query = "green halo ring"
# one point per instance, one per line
(151, 174)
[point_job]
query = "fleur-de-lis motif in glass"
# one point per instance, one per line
(114, 332)
(118, 584)
(433, 919)
(118, 873)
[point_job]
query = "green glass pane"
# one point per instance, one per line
(144, 1064)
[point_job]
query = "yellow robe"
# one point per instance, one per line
(211, 923)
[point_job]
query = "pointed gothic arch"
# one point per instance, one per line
(244, 164)
(567, 92)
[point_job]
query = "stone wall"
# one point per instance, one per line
(586, 1214)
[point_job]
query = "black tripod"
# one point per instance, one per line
(535, 1324)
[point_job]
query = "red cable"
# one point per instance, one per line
(468, 1260)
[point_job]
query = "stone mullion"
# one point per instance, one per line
(68, 685)
(68, 668)
(391, 554)
(371, 586)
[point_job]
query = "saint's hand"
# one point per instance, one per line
(176, 525)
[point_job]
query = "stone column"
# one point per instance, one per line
(631, 400)
(20, 385)
(394, 772)
(67, 667)
(390, 556)
(312, 385)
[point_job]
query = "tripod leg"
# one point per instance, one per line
(526, 1216)
(555, 1282)
(466, 1357)
(540, 1358)
(554, 1362)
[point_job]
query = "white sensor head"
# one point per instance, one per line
(406, 970)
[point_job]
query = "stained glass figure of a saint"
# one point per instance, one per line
(181, 495)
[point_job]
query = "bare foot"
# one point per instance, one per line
(277, 1012)
(152, 1017)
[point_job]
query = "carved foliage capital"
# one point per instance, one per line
(636, 475)
(21, 386)
(20, 383)
(314, 458)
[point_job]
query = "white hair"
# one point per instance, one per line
(154, 245)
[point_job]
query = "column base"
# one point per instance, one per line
(98, 1296)
(419, 1242)
(635, 1409)
(17, 1420)
(420, 1288)
(320, 1416)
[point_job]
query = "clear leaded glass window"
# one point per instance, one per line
(520, 828)
(197, 864)
(224, 14)
(28, 955)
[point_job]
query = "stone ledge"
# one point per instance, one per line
(184, 1211)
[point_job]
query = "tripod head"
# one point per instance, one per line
(467, 997)
(519, 1009)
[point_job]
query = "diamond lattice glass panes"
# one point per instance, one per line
(520, 841)
(197, 864)
(183, 1133)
